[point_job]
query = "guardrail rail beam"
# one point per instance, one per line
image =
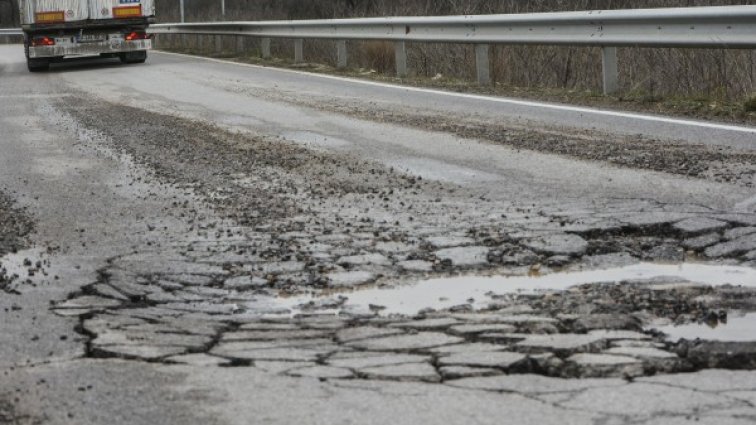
(684, 27)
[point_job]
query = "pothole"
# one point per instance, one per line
(733, 328)
(309, 138)
(479, 292)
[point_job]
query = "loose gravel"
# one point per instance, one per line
(15, 225)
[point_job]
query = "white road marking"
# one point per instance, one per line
(581, 109)
(35, 95)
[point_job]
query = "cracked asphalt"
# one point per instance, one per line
(184, 242)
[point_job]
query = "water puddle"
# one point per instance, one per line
(738, 328)
(310, 138)
(478, 291)
(444, 171)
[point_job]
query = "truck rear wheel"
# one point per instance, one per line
(134, 57)
(37, 65)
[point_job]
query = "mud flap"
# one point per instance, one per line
(134, 57)
(37, 65)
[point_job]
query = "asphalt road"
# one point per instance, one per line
(543, 114)
(490, 108)
(174, 203)
(258, 99)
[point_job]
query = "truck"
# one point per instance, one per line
(58, 29)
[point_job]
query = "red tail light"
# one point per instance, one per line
(137, 35)
(42, 41)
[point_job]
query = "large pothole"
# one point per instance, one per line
(286, 285)
(582, 324)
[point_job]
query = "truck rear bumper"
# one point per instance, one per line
(141, 22)
(74, 48)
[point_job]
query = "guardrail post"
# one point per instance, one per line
(240, 44)
(482, 64)
(218, 43)
(400, 51)
(341, 54)
(265, 48)
(299, 50)
(610, 73)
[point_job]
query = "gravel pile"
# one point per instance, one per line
(14, 226)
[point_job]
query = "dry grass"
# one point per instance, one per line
(376, 55)
(750, 104)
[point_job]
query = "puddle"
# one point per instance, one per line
(443, 293)
(733, 329)
(309, 138)
(443, 171)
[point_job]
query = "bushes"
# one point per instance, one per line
(750, 104)
(9, 14)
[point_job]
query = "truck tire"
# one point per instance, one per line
(37, 65)
(134, 57)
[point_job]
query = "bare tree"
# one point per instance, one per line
(9, 13)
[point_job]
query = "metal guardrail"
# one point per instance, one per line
(10, 31)
(728, 26)
(694, 27)
(690, 27)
